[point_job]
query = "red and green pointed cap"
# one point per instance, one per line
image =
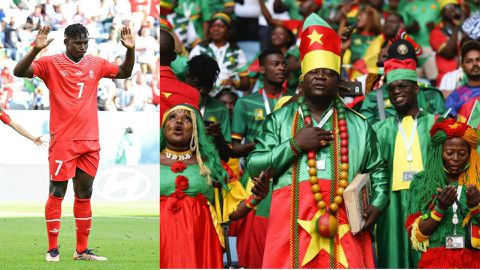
(319, 46)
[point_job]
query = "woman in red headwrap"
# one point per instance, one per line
(445, 200)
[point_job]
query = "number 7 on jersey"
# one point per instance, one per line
(81, 89)
(59, 162)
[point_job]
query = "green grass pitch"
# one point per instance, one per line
(127, 234)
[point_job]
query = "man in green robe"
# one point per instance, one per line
(248, 115)
(404, 141)
(429, 99)
(293, 240)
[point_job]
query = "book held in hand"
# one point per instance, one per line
(357, 198)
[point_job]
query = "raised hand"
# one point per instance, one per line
(473, 196)
(261, 185)
(214, 129)
(127, 38)
(42, 41)
(446, 197)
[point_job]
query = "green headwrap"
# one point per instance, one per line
(207, 149)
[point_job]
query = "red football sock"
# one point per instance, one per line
(53, 213)
(82, 211)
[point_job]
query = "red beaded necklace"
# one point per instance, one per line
(327, 224)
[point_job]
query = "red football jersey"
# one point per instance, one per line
(73, 93)
(5, 118)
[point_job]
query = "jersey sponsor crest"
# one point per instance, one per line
(259, 114)
(90, 74)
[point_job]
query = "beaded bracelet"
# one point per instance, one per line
(439, 210)
(295, 148)
(250, 202)
(436, 216)
(475, 210)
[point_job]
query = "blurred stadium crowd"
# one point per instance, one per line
(21, 19)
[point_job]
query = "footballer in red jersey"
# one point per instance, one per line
(72, 78)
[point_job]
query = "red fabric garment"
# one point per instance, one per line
(294, 25)
(53, 214)
(440, 257)
(154, 9)
(410, 220)
(73, 93)
(174, 92)
(251, 232)
(437, 39)
(7, 77)
(138, 5)
(187, 236)
(356, 100)
(4, 117)
(357, 248)
(82, 211)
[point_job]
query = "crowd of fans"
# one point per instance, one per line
(21, 20)
(245, 54)
(436, 29)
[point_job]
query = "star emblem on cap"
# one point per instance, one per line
(453, 126)
(315, 37)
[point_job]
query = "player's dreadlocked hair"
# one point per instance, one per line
(204, 71)
(75, 31)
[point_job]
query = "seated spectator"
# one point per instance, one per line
(80, 16)
(69, 8)
(126, 97)
(143, 93)
(11, 39)
(228, 98)
(37, 17)
(444, 39)
(40, 98)
(57, 19)
(420, 18)
(368, 27)
(471, 67)
(222, 47)
(145, 48)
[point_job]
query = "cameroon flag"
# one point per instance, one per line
(474, 120)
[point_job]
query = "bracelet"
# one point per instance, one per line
(475, 210)
(436, 216)
(439, 210)
(295, 148)
(250, 202)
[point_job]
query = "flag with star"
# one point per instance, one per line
(320, 46)
(474, 119)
